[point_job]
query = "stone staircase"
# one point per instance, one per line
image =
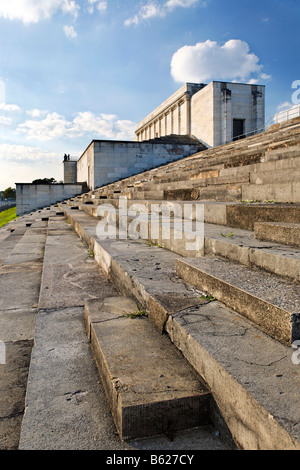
(186, 279)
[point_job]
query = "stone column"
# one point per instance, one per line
(188, 114)
(226, 115)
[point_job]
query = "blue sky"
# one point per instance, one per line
(76, 70)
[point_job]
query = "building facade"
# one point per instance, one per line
(107, 161)
(215, 114)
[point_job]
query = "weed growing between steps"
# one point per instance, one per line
(227, 236)
(208, 297)
(153, 244)
(140, 313)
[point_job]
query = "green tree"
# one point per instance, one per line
(9, 193)
(45, 181)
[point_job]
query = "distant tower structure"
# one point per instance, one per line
(70, 169)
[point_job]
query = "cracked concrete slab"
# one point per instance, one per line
(222, 348)
(257, 372)
(69, 411)
(150, 387)
(270, 302)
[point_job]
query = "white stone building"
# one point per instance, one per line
(215, 114)
(195, 114)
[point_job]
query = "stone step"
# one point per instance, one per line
(160, 394)
(241, 246)
(252, 378)
(190, 239)
(228, 156)
(279, 192)
(272, 171)
(245, 215)
(21, 251)
(151, 389)
(275, 176)
(195, 239)
(279, 232)
(241, 215)
(229, 193)
(270, 302)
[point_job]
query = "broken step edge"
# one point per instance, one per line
(150, 387)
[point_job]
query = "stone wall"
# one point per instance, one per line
(30, 197)
(105, 162)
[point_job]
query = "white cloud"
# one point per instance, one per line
(171, 4)
(209, 61)
(101, 5)
(23, 164)
(10, 108)
(36, 113)
(153, 9)
(55, 126)
(284, 106)
(22, 153)
(33, 11)
(70, 32)
(265, 76)
(70, 7)
(6, 121)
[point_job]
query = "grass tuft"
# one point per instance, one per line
(7, 216)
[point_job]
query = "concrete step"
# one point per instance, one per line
(241, 246)
(280, 232)
(279, 192)
(273, 171)
(229, 156)
(151, 389)
(66, 407)
(245, 215)
(270, 302)
(190, 239)
(21, 246)
(252, 378)
(241, 215)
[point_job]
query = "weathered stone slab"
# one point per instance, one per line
(150, 387)
(14, 374)
(17, 324)
(244, 216)
(66, 407)
(19, 286)
(271, 303)
(252, 377)
(284, 232)
(255, 413)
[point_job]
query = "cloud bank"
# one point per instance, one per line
(55, 126)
